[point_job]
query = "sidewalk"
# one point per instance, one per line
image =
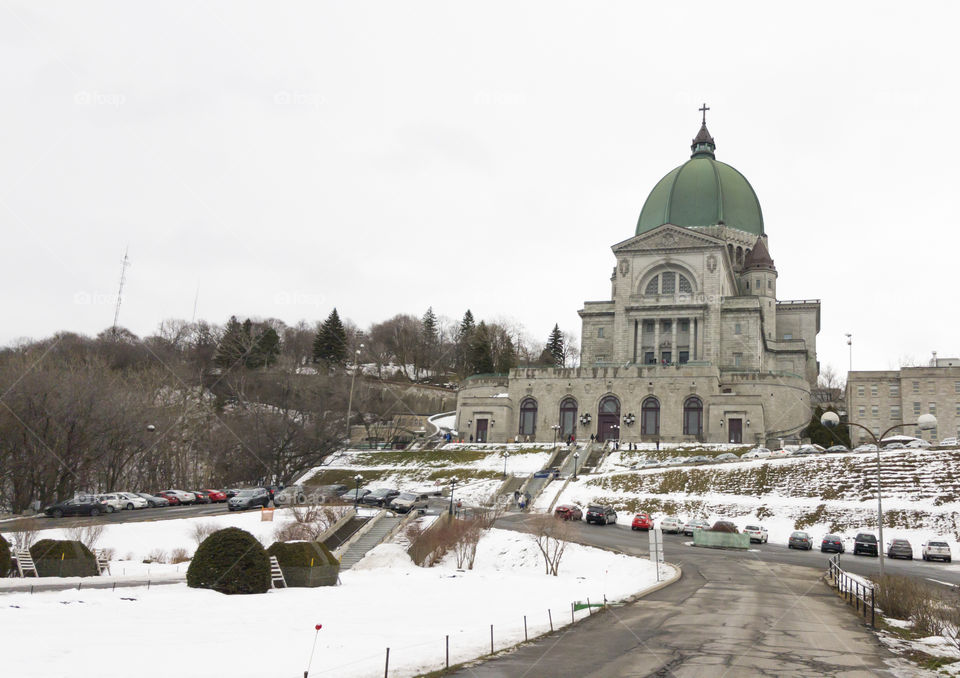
(37, 584)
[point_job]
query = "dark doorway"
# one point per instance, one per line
(481, 430)
(736, 430)
(608, 419)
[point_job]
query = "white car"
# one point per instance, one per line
(671, 525)
(183, 496)
(869, 447)
(780, 453)
(111, 502)
(918, 444)
(756, 453)
(936, 550)
(757, 533)
(132, 501)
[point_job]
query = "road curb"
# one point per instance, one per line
(661, 585)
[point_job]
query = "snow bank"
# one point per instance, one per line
(386, 556)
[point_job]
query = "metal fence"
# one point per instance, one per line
(862, 597)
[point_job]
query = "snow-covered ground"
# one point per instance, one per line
(385, 601)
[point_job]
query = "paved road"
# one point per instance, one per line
(134, 516)
(732, 614)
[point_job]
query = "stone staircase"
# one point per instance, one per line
(376, 534)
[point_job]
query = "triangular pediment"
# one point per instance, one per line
(667, 237)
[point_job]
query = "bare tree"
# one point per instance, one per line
(552, 536)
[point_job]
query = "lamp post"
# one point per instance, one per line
(356, 494)
(453, 484)
(616, 431)
(556, 428)
(924, 422)
(576, 458)
(505, 456)
(356, 365)
(850, 345)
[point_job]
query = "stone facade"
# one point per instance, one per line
(884, 398)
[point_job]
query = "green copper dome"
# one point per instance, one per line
(702, 192)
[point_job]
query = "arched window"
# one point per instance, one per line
(739, 255)
(653, 287)
(528, 417)
(730, 251)
(608, 419)
(650, 417)
(610, 405)
(568, 417)
(668, 282)
(684, 285)
(693, 416)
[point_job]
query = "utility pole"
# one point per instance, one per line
(123, 279)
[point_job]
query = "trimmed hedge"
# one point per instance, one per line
(63, 558)
(4, 557)
(230, 561)
(306, 563)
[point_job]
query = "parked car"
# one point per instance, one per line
(355, 495)
(231, 492)
(757, 533)
(756, 453)
(780, 453)
(132, 501)
(601, 515)
(111, 502)
(249, 498)
(869, 447)
(201, 497)
(800, 540)
(568, 512)
(216, 496)
(380, 496)
(291, 494)
(410, 501)
(900, 548)
(832, 543)
(894, 446)
(918, 444)
(693, 525)
(78, 506)
(170, 497)
(671, 525)
(153, 501)
(838, 448)
(949, 442)
(865, 544)
(726, 456)
(331, 492)
(642, 521)
(181, 495)
(936, 550)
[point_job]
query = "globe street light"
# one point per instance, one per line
(555, 427)
(924, 422)
(505, 456)
(356, 493)
(453, 484)
(576, 458)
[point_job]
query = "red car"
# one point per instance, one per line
(568, 512)
(170, 497)
(216, 495)
(202, 497)
(642, 521)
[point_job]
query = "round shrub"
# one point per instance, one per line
(63, 558)
(306, 563)
(230, 561)
(4, 557)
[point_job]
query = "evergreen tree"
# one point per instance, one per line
(265, 349)
(823, 436)
(506, 356)
(481, 351)
(430, 327)
(429, 336)
(330, 344)
(555, 346)
(464, 336)
(233, 344)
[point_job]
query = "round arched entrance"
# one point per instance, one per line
(608, 419)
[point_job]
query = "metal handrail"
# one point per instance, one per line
(858, 595)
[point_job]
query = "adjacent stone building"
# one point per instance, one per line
(693, 344)
(879, 399)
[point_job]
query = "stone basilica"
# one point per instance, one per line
(693, 344)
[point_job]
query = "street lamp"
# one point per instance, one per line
(924, 422)
(356, 494)
(555, 427)
(505, 456)
(453, 484)
(356, 365)
(576, 458)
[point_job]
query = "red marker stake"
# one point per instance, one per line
(317, 627)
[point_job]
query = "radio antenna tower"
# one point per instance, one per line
(123, 279)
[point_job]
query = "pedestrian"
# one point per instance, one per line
(471, 437)
(522, 503)
(658, 444)
(516, 496)
(591, 437)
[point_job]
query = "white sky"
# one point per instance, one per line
(387, 156)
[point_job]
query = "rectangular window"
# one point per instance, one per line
(684, 325)
(758, 283)
(788, 337)
(736, 328)
(933, 408)
(861, 411)
(669, 282)
(932, 386)
(648, 325)
(958, 409)
(874, 391)
(769, 284)
(599, 333)
(916, 409)
(916, 387)
(894, 390)
(895, 412)
(737, 359)
(860, 390)
(748, 285)
(683, 356)
(875, 411)
(665, 357)
(665, 325)
(648, 358)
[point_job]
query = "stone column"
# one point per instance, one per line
(674, 358)
(656, 341)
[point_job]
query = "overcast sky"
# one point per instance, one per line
(382, 157)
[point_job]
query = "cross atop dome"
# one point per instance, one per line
(703, 109)
(703, 143)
